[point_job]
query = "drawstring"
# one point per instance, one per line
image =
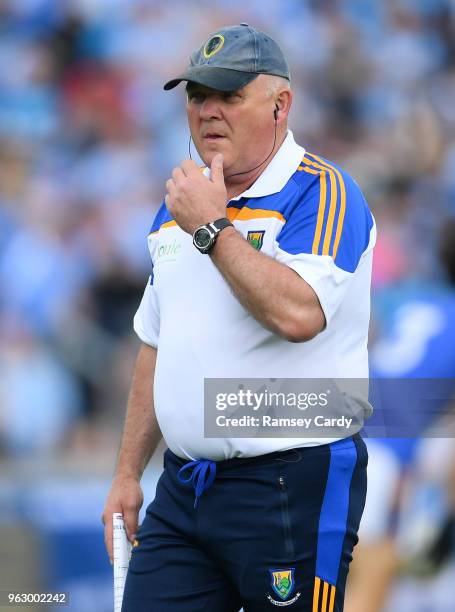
(202, 476)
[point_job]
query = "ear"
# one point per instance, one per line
(283, 102)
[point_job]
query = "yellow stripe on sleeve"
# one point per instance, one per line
(321, 210)
(342, 205)
(322, 199)
(309, 170)
(333, 203)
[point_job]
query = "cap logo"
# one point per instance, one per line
(213, 45)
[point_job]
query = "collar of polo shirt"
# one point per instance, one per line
(277, 173)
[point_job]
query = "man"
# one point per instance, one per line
(262, 269)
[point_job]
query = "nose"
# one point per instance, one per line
(210, 109)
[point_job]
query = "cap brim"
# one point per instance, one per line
(222, 79)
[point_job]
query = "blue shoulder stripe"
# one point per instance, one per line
(162, 216)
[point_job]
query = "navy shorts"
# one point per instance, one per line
(272, 531)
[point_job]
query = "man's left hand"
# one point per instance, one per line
(192, 199)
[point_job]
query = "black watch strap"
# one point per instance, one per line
(213, 229)
(221, 224)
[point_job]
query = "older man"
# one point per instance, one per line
(261, 269)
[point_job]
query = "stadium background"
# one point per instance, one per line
(87, 140)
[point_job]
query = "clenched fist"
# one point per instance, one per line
(192, 199)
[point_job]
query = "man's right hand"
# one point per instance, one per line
(127, 498)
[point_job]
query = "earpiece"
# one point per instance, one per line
(275, 112)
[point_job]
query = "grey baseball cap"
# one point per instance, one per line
(232, 57)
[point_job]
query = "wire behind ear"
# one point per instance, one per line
(275, 112)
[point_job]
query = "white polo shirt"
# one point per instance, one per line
(306, 213)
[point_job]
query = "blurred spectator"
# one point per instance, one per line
(39, 397)
(415, 340)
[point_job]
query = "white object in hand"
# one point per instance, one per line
(122, 555)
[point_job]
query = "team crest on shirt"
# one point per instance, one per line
(283, 584)
(256, 239)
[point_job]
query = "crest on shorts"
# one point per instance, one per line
(256, 239)
(213, 45)
(282, 582)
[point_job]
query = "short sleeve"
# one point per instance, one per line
(327, 231)
(147, 318)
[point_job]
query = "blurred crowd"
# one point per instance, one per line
(88, 138)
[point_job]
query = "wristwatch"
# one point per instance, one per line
(205, 236)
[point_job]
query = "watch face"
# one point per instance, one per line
(202, 238)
